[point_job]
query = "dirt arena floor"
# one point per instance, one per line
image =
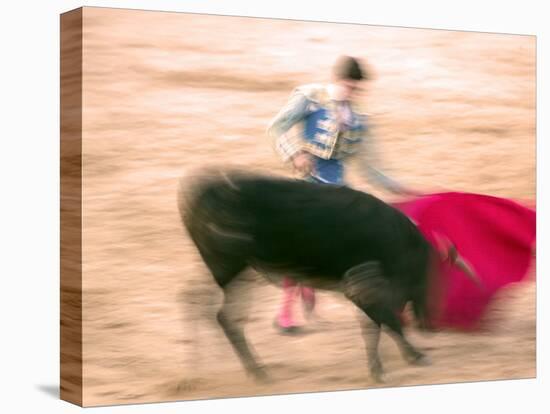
(166, 94)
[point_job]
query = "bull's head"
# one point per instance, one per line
(426, 306)
(448, 251)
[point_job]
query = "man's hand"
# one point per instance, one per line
(403, 191)
(411, 193)
(398, 189)
(303, 162)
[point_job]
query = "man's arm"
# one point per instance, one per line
(369, 167)
(293, 112)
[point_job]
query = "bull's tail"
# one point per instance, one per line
(211, 210)
(212, 199)
(190, 189)
(196, 200)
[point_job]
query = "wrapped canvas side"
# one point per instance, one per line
(71, 208)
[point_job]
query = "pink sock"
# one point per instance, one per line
(289, 294)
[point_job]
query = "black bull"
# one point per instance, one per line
(324, 236)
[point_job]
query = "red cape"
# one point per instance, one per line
(495, 236)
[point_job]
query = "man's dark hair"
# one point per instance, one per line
(347, 67)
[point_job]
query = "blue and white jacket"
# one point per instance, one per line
(323, 137)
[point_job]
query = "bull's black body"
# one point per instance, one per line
(327, 237)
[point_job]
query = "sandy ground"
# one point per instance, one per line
(167, 93)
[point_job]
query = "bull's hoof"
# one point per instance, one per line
(260, 375)
(379, 377)
(377, 374)
(421, 360)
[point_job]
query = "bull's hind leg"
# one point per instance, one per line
(226, 269)
(232, 317)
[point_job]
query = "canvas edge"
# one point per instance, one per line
(71, 355)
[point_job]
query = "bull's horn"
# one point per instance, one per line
(455, 258)
(467, 269)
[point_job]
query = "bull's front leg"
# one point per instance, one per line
(365, 286)
(371, 292)
(412, 355)
(382, 315)
(371, 336)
